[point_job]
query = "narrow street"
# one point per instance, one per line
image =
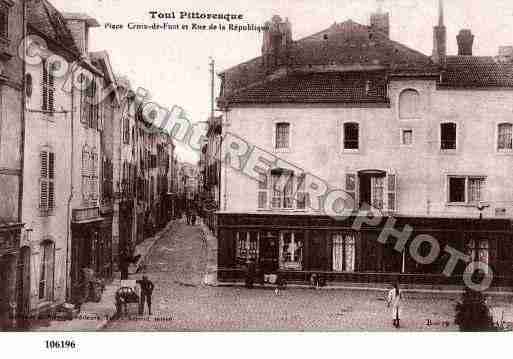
(177, 264)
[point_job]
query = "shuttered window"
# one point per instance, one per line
(47, 184)
(48, 87)
(350, 187)
(46, 272)
(282, 135)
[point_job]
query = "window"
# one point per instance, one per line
(48, 84)
(448, 136)
(377, 192)
(46, 271)
(409, 104)
(46, 182)
(89, 102)
(377, 189)
(505, 137)
(262, 191)
(281, 189)
(291, 250)
(344, 252)
(247, 246)
(4, 22)
(466, 189)
(302, 197)
(28, 85)
(282, 135)
(126, 130)
(89, 176)
(351, 136)
(407, 137)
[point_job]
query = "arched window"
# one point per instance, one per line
(409, 104)
(351, 136)
(46, 272)
(505, 137)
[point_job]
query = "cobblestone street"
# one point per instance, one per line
(177, 264)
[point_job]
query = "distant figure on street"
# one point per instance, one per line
(394, 300)
(146, 292)
(188, 215)
(193, 217)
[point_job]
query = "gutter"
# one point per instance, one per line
(70, 198)
(23, 105)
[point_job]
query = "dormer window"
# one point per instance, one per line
(409, 105)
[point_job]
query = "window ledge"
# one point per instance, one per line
(504, 152)
(46, 213)
(454, 204)
(282, 150)
(449, 152)
(351, 152)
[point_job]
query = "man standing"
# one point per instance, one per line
(146, 292)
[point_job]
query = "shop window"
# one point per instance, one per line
(247, 246)
(344, 253)
(505, 137)
(448, 136)
(46, 272)
(291, 250)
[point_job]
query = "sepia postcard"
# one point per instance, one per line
(271, 166)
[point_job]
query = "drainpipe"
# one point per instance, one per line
(70, 198)
(23, 108)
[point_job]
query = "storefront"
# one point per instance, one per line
(9, 251)
(299, 245)
(86, 246)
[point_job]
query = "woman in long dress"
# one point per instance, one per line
(394, 301)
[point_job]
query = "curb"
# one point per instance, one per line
(355, 288)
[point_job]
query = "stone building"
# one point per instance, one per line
(13, 300)
(425, 141)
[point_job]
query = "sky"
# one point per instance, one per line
(174, 65)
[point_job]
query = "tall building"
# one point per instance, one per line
(425, 141)
(13, 300)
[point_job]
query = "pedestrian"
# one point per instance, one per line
(193, 217)
(394, 300)
(188, 215)
(146, 292)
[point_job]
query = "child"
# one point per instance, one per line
(394, 299)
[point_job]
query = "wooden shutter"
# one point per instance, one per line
(263, 191)
(44, 85)
(351, 186)
(51, 87)
(83, 102)
(51, 178)
(391, 190)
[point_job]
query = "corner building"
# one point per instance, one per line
(427, 140)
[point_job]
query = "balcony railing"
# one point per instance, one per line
(86, 214)
(10, 238)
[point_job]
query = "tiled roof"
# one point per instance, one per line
(477, 72)
(48, 21)
(349, 46)
(317, 88)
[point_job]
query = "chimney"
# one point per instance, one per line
(79, 24)
(505, 54)
(465, 42)
(380, 21)
(277, 40)
(440, 37)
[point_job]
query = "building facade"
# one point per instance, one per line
(13, 299)
(424, 140)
